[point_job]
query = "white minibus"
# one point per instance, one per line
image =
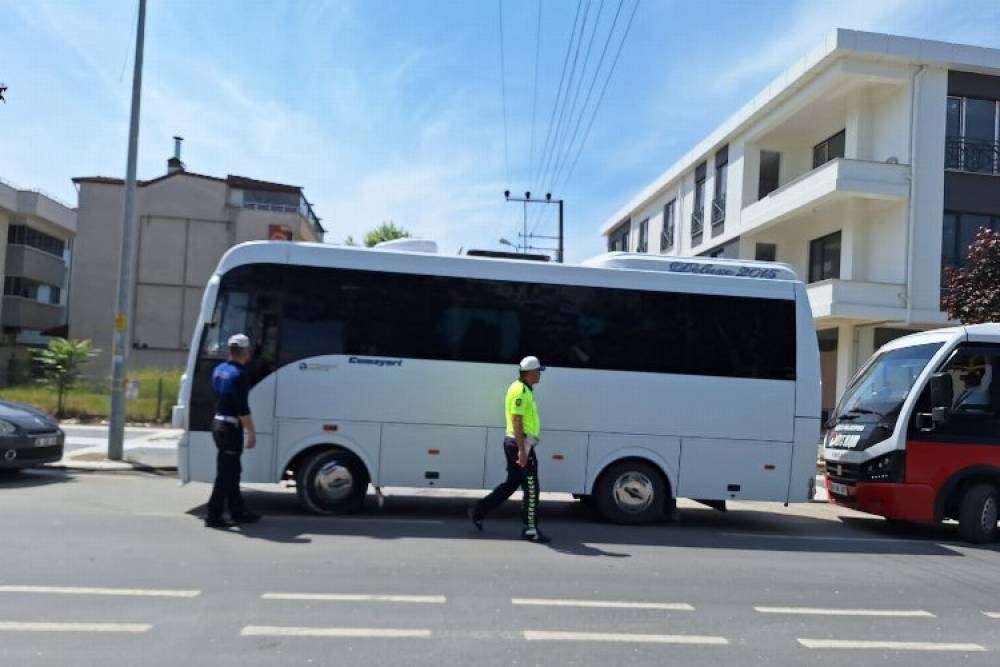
(667, 377)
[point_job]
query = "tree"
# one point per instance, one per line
(350, 241)
(61, 362)
(387, 231)
(972, 292)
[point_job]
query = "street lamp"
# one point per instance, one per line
(506, 242)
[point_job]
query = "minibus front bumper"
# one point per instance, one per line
(907, 502)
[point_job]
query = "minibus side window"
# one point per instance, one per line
(975, 410)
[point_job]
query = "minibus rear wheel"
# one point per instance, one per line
(977, 517)
(331, 481)
(631, 491)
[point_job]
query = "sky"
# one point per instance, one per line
(398, 110)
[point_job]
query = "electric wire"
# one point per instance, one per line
(534, 95)
(600, 98)
(503, 95)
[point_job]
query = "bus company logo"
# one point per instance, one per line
(715, 270)
(3, 89)
(375, 362)
(313, 366)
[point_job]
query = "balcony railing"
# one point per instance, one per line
(697, 226)
(718, 215)
(972, 155)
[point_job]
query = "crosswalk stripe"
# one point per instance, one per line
(992, 614)
(381, 633)
(351, 597)
(20, 626)
(889, 646)
(608, 604)
(814, 611)
(554, 635)
(78, 590)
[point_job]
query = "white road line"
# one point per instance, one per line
(554, 602)
(76, 590)
(351, 597)
(552, 635)
(991, 614)
(380, 633)
(889, 646)
(813, 611)
(17, 626)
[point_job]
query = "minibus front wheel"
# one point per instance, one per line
(331, 481)
(977, 519)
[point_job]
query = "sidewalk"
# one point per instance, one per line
(149, 449)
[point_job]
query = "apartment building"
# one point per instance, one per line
(36, 240)
(868, 166)
(187, 221)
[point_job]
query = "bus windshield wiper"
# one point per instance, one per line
(864, 411)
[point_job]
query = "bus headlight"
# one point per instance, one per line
(889, 467)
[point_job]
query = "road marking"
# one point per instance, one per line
(381, 633)
(554, 602)
(552, 635)
(845, 612)
(76, 590)
(16, 626)
(889, 646)
(991, 614)
(351, 597)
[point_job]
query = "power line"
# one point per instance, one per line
(590, 89)
(534, 96)
(562, 111)
(503, 95)
(600, 98)
(555, 105)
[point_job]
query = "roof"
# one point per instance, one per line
(839, 43)
(232, 181)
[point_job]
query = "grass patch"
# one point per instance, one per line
(90, 400)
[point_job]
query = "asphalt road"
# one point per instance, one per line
(116, 569)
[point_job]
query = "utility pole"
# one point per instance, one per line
(119, 350)
(527, 237)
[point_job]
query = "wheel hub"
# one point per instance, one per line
(333, 482)
(988, 519)
(633, 492)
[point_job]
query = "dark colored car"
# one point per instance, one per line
(28, 437)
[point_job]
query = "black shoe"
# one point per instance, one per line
(476, 520)
(246, 517)
(535, 536)
(217, 522)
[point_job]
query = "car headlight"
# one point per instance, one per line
(6, 428)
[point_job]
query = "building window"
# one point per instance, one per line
(958, 231)
(269, 200)
(824, 258)
(26, 288)
(643, 243)
(667, 235)
(766, 252)
(719, 200)
(31, 237)
(618, 240)
(973, 139)
(770, 164)
(698, 211)
(829, 149)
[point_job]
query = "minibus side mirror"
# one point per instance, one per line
(942, 396)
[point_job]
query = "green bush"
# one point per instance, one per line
(90, 400)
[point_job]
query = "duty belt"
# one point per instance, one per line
(228, 420)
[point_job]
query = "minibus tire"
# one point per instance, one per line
(616, 479)
(329, 496)
(977, 515)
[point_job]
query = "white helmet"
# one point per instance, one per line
(531, 364)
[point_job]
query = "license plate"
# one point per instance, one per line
(47, 441)
(839, 489)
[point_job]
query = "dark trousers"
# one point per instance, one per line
(229, 443)
(526, 478)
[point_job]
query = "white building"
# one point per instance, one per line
(867, 166)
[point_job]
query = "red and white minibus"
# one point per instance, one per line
(916, 436)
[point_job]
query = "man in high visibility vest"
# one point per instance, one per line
(523, 430)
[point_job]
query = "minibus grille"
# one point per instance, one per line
(845, 473)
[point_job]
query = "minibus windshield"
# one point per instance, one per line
(885, 382)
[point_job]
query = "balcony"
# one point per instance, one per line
(718, 215)
(972, 155)
(697, 226)
(27, 262)
(837, 180)
(857, 300)
(21, 313)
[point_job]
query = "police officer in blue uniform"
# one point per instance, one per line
(232, 420)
